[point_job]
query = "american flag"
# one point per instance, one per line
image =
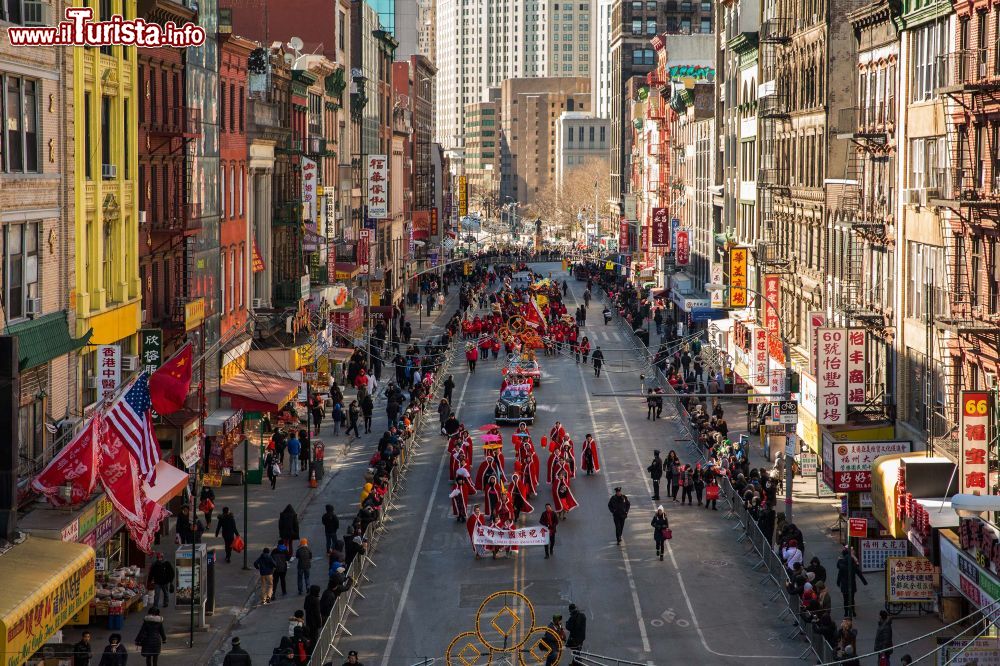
(131, 419)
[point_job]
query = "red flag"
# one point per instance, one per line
(170, 384)
(120, 478)
(76, 465)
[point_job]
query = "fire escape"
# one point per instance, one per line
(970, 324)
(869, 131)
(773, 119)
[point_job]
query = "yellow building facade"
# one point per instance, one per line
(105, 98)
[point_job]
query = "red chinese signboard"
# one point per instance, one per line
(857, 527)
(683, 251)
(759, 357)
(623, 236)
(847, 466)
(434, 222)
(856, 338)
(421, 224)
(661, 228)
(378, 187)
(772, 305)
(364, 248)
(974, 434)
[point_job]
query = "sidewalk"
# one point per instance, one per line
(236, 609)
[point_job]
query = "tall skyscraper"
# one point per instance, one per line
(481, 43)
(600, 58)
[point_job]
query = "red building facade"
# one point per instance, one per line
(233, 197)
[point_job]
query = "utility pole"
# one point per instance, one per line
(202, 412)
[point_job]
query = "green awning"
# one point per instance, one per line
(44, 338)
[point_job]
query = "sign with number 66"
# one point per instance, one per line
(975, 434)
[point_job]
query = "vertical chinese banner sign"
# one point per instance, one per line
(109, 369)
(378, 187)
(738, 277)
(816, 320)
(856, 366)
(682, 252)
(975, 428)
(661, 228)
(759, 357)
(831, 379)
(309, 190)
(772, 306)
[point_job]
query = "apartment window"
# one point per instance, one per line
(580, 134)
(995, 168)
(243, 180)
(242, 111)
(105, 134)
(222, 184)
(981, 155)
(20, 268)
(927, 69)
(927, 280)
(222, 106)
(107, 271)
(151, 96)
(232, 190)
(592, 134)
(706, 25)
(981, 52)
(650, 26)
(651, 6)
(636, 26)
(126, 133)
(142, 93)
(686, 24)
(232, 107)
(223, 285)
(315, 114)
(239, 282)
(603, 137)
(21, 137)
(929, 164)
(105, 15)
(569, 134)
(21, 12)
(165, 101)
(636, 6)
(155, 191)
(996, 43)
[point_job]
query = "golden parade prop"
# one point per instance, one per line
(505, 629)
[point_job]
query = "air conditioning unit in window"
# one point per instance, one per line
(91, 382)
(109, 171)
(258, 303)
(33, 307)
(130, 363)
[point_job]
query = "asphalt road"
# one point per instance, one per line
(702, 603)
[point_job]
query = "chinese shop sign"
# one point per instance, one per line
(759, 357)
(875, 552)
(661, 228)
(847, 466)
(109, 369)
(856, 338)
(682, 254)
(151, 348)
(309, 189)
(974, 432)
(378, 187)
(816, 321)
(364, 249)
(738, 277)
(910, 580)
(463, 196)
(831, 380)
(772, 323)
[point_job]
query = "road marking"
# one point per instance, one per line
(420, 541)
(670, 550)
(628, 565)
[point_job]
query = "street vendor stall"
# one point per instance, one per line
(223, 434)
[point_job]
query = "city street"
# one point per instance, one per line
(700, 603)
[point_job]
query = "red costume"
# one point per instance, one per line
(460, 497)
(519, 496)
(493, 499)
(562, 496)
(475, 520)
(591, 462)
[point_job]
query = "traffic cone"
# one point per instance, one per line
(312, 478)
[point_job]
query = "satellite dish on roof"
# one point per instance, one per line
(295, 44)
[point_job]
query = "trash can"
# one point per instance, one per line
(116, 615)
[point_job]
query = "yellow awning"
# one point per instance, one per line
(46, 583)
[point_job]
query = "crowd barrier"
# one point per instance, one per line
(335, 626)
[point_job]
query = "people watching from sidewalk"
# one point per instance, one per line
(265, 567)
(227, 527)
(161, 577)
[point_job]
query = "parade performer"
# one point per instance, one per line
(569, 458)
(553, 466)
(591, 462)
(493, 496)
(458, 463)
(557, 434)
(491, 466)
(562, 496)
(519, 495)
(528, 460)
(477, 519)
(460, 498)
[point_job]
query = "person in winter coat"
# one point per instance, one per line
(817, 569)
(576, 626)
(659, 524)
(655, 470)
(82, 651)
(472, 355)
(598, 361)
(294, 449)
(329, 598)
(314, 614)
(151, 636)
(265, 567)
(618, 505)
(280, 557)
(295, 621)
(449, 387)
(115, 653)
(301, 646)
(303, 562)
(444, 411)
(331, 524)
(237, 656)
(353, 416)
(288, 526)
(227, 526)
(272, 468)
(367, 409)
(848, 573)
(883, 637)
(283, 654)
(206, 503)
(161, 575)
(550, 519)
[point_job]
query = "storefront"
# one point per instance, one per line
(223, 435)
(48, 583)
(257, 391)
(970, 564)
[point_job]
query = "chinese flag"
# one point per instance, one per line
(170, 384)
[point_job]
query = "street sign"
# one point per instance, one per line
(786, 411)
(857, 527)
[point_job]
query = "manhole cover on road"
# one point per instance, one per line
(716, 563)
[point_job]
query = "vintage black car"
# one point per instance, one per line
(516, 404)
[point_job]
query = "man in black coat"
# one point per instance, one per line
(237, 656)
(161, 574)
(576, 626)
(655, 470)
(848, 573)
(331, 525)
(619, 505)
(227, 526)
(82, 651)
(314, 613)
